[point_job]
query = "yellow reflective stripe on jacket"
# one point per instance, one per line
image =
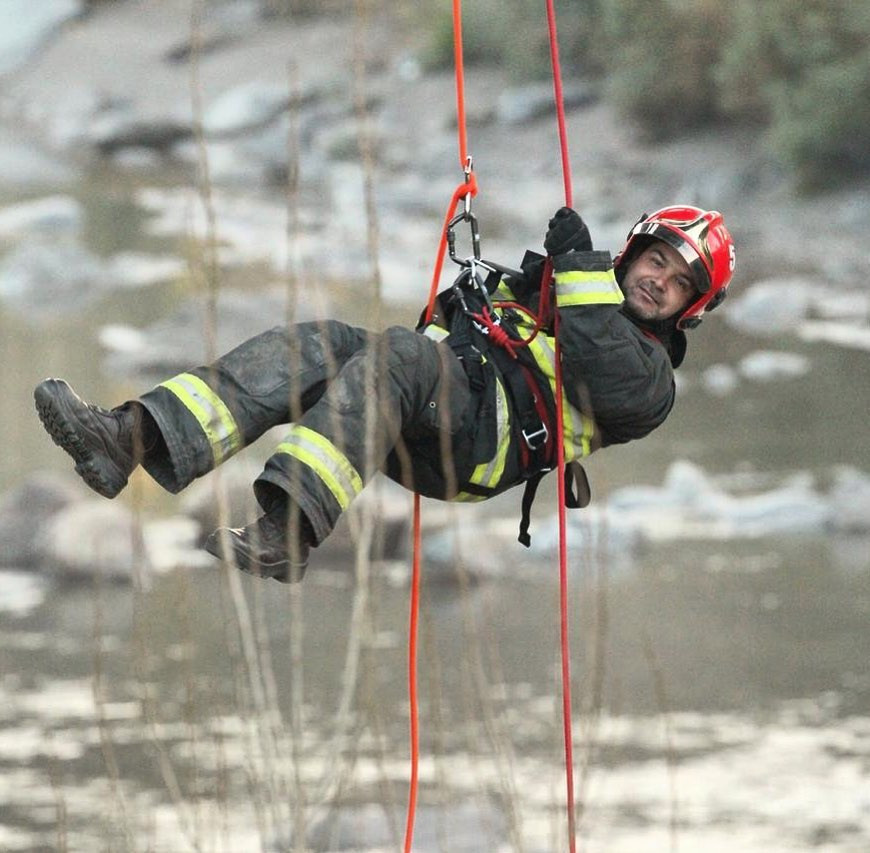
(581, 287)
(210, 411)
(489, 474)
(320, 455)
(577, 428)
(503, 293)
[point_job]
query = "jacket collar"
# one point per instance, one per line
(665, 332)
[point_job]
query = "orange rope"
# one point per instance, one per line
(460, 82)
(412, 677)
(468, 186)
(564, 639)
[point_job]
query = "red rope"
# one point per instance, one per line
(461, 192)
(468, 186)
(564, 638)
(412, 677)
(460, 82)
(560, 103)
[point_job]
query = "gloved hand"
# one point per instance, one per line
(567, 231)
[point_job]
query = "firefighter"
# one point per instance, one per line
(461, 408)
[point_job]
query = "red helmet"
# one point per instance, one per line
(701, 237)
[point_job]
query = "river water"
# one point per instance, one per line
(721, 687)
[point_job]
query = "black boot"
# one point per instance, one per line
(106, 445)
(265, 547)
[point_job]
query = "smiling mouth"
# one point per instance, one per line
(647, 295)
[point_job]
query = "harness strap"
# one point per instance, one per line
(577, 495)
(534, 407)
(529, 492)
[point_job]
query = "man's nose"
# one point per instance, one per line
(657, 279)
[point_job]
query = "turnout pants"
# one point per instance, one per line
(356, 402)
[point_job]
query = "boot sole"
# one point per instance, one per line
(95, 468)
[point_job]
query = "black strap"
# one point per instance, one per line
(577, 495)
(528, 499)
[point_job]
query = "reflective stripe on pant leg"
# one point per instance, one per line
(318, 453)
(212, 414)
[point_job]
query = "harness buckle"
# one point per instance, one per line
(537, 439)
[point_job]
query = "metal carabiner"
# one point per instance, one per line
(471, 219)
(465, 216)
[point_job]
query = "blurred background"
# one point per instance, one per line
(177, 176)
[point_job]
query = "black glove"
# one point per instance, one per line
(567, 231)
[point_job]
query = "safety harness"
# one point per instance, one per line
(484, 335)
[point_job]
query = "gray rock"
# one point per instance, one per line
(248, 228)
(850, 500)
(223, 25)
(244, 107)
(843, 334)
(69, 123)
(772, 306)
(691, 503)
(139, 269)
(94, 538)
(21, 592)
(48, 279)
(261, 153)
(229, 163)
(53, 216)
(720, 379)
(25, 166)
(137, 158)
(174, 543)
(177, 342)
(25, 26)
(25, 511)
(123, 127)
(527, 103)
(769, 366)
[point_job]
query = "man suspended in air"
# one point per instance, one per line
(463, 408)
